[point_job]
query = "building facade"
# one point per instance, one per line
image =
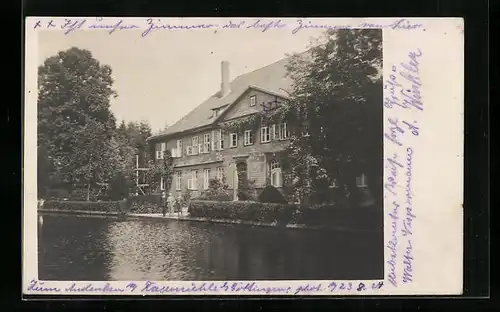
(203, 150)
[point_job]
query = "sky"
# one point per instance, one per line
(163, 76)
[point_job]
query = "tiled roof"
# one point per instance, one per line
(271, 78)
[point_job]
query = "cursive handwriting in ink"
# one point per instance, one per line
(266, 25)
(233, 25)
(408, 263)
(411, 73)
(392, 180)
(113, 27)
(107, 288)
(307, 289)
(395, 132)
(252, 287)
(303, 25)
(393, 244)
(39, 287)
(71, 25)
(408, 220)
(153, 25)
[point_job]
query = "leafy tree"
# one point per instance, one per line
(160, 169)
(75, 124)
(335, 114)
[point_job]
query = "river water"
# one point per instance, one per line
(96, 249)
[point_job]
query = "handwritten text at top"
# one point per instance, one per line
(150, 25)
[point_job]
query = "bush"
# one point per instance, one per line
(245, 211)
(145, 204)
(110, 206)
(119, 186)
(216, 197)
(270, 194)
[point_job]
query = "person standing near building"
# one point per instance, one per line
(171, 203)
(163, 203)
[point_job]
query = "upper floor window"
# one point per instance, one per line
(276, 176)
(160, 150)
(361, 181)
(193, 149)
(283, 131)
(219, 111)
(206, 143)
(178, 151)
(178, 180)
(253, 100)
(220, 139)
(233, 139)
(248, 137)
(265, 135)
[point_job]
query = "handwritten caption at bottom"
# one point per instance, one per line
(402, 92)
(159, 288)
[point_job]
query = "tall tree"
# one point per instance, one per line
(335, 111)
(75, 125)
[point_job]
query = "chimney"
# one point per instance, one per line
(224, 86)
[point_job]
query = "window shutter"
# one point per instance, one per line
(273, 132)
(213, 141)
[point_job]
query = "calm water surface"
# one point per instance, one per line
(94, 248)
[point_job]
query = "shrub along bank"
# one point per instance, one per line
(362, 218)
(104, 206)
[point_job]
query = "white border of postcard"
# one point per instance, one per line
(427, 261)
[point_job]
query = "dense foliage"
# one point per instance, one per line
(80, 149)
(287, 214)
(270, 194)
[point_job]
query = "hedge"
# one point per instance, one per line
(145, 204)
(241, 210)
(104, 206)
(283, 214)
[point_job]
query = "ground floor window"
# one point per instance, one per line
(162, 184)
(361, 181)
(276, 174)
(220, 173)
(206, 178)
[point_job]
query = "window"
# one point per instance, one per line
(214, 146)
(253, 100)
(233, 139)
(276, 177)
(248, 137)
(206, 143)
(193, 181)
(220, 139)
(193, 149)
(283, 131)
(162, 184)
(179, 148)
(206, 178)
(265, 136)
(178, 180)
(220, 173)
(361, 181)
(160, 150)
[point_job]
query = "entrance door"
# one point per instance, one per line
(235, 184)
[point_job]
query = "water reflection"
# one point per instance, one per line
(73, 248)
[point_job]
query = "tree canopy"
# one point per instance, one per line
(335, 112)
(78, 141)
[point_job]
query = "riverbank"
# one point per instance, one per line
(186, 217)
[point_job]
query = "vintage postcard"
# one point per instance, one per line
(243, 156)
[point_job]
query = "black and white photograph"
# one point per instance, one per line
(222, 150)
